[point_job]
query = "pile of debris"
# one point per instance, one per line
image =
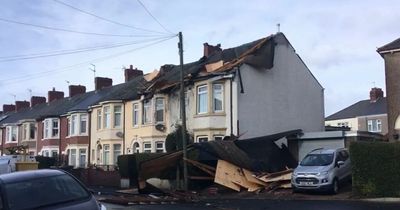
(237, 178)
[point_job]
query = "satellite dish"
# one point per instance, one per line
(119, 134)
(160, 127)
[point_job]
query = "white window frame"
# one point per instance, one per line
(86, 124)
(115, 152)
(72, 157)
(48, 128)
(115, 114)
(158, 108)
(26, 131)
(200, 93)
(10, 130)
(147, 149)
(221, 92)
(75, 124)
(135, 115)
(158, 148)
(374, 125)
(99, 117)
(146, 117)
(106, 149)
(198, 138)
(221, 137)
(107, 117)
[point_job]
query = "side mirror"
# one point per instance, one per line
(340, 163)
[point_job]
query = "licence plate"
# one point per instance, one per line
(306, 183)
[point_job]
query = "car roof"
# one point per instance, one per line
(324, 151)
(29, 175)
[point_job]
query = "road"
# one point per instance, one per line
(262, 204)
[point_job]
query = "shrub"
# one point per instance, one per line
(45, 162)
(375, 169)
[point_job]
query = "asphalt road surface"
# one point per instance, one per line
(260, 204)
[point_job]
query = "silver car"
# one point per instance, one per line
(322, 169)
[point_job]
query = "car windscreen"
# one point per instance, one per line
(317, 160)
(44, 191)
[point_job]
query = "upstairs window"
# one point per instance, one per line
(11, 134)
(83, 123)
(51, 128)
(28, 132)
(147, 112)
(202, 99)
(374, 125)
(73, 125)
(217, 97)
(117, 116)
(99, 119)
(107, 118)
(159, 110)
(135, 115)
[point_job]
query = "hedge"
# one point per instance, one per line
(375, 169)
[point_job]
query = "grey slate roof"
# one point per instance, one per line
(361, 108)
(390, 46)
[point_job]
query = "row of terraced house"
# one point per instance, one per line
(259, 88)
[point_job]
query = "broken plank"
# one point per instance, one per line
(251, 177)
(282, 177)
(201, 178)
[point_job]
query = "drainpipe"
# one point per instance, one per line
(123, 130)
(59, 141)
(231, 105)
(89, 136)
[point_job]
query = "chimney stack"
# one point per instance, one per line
(8, 108)
(21, 105)
(132, 73)
(54, 95)
(76, 90)
(210, 49)
(375, 94)
(102, 82)
(35, 100)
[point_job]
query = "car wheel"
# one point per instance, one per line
(335, 186)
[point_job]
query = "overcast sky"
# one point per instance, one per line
(336, 39)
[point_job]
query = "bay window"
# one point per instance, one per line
(159, 110)
(117, 116)
(11, 134)
(217, 97)
(106, 117)
(135, 115)
(147, 112)
(117, 152)
(99, 119)
(77, 124)
(202, 99)
(51, 128)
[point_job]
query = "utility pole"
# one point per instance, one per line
(183, 114)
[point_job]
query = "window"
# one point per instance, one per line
(54, 153)
(159, 147)
(54, 128)
(25, 131)
(11, 134)
(28, 132)
(73, 125)
(202, 101)
(217, 97)
(135, 115)
(106, 154)
(83, 123)
(117, 116)
(218, 137)
(99, 119)
(117, 152)
(343, 124)
(374, 125)
(72, 161)
(202, 139)
(51, 128)
(106, 117)
(159, 110)
(147, 147)
(147, 112)
(82, 158)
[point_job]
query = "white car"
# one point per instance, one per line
(322, 169)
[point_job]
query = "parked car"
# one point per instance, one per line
(44, 189)
(7, 162)
(322, 169)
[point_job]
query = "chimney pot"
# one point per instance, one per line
(102, 82)
(8, 107)
(132, 73)
(35, 100)
(76, 90)
(21, 105)
(210, 49)
(54, 95)
(375, 94)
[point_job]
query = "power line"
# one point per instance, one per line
(103, 18)
(73, 31)
(68, 52)
(68, 68)
(154, 18)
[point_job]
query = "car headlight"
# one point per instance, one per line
(294, 173)
(323, 173)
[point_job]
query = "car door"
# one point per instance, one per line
(347, 164)
(339, 169)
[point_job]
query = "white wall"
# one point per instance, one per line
(283, 98)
